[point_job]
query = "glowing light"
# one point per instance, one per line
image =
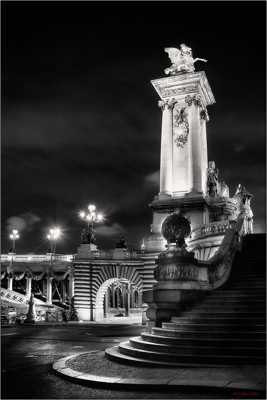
(14, 235)
(54, 233)
(91, 216)
(100, 217)
(91, 207)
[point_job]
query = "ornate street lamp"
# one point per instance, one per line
(53, 236)
(91, 216)
(14, 236)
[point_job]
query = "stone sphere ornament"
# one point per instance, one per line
(175, 229)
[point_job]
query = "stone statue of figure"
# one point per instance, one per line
(31, 314)
(244, 197)
(212, 179)
(224, 189)
(248, 213)
(182, 60)
(238, 190)
(88, 235)
(122, 244)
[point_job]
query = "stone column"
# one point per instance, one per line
(203, 119)
(71, 285)
(194, 108)
(113, 296)
(49, 290)
(10, 282)
(64, 291)
(166, 147)
(28, 286)
(127, 294)
(106, 302)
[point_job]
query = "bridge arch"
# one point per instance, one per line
(109, 275)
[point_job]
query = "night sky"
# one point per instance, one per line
(80, 121)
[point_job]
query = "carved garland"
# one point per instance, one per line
(196, 100)
(181, 121)
(176, 272)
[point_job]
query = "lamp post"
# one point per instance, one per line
(53, 235)
(91, 216)
(14, 236)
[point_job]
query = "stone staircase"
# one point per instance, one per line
(227, 328)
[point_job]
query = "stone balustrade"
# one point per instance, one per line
(113, 254)
(36, 257)
(214, 228)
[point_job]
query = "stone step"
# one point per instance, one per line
(235, 300)
(249, 283)
(236, 294)
(233, 309)
(223, 314)
(228, 306)
(198, 319)
(198, 341)
(249, 289)
(260, 334)
(246, 286)
(114, 354)
(140, 343)
(247, 277)
(126, 349)
(214, 326)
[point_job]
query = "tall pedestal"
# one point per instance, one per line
(184, 159)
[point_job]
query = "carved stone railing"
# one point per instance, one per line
(219, 266)
(182, 280)
(35, 257)
(113, 255)
(214, 228)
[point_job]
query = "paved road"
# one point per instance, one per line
(29, 351)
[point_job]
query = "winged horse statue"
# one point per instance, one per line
(182, 60)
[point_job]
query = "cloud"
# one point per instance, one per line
(25, 221)
(110, 231)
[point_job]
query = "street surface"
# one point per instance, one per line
(29, 351)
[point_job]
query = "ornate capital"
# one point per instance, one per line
(167, 103)
(204, 114)
(196, 100)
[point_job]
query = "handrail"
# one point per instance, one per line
(36, 257)
(213, 228)
(220, 265)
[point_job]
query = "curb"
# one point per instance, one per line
(86, 379)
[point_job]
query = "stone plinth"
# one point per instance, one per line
(86, 250)
(119, 253)
(184, 159)
(179, 277)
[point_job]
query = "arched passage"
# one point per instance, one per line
(114, 294)
(93, 280)
(99, 301)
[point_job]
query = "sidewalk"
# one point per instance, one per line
(82, 368)
(131, 320)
